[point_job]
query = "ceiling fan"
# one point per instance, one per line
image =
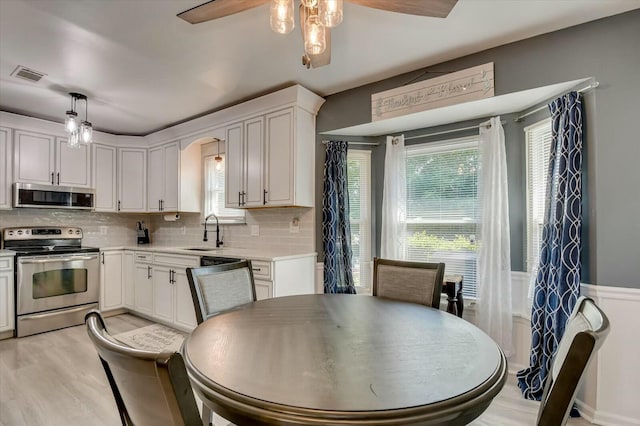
(316, 18)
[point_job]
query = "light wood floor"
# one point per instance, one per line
(56, 379)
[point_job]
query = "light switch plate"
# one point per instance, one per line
(255, 230)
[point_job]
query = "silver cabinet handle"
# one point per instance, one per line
(58, 178)
(102, 254)
(118, 205)
(264, 197)
(257, 269)
(52, 178)
(148, 272)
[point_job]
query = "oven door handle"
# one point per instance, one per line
(55, 259)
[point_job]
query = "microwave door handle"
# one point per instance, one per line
(55, 259)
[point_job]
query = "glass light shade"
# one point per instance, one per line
(74, 138)
(71, 122)
(330, 12)
(314, 38)
(309, 3)
(218, 162)
(282, 16)
(86, 132)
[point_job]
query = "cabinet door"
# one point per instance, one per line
(264, 289)
(34, 158)
(110, 280)
(185, 314)
(6, 300)
(104, 178)
(162, 293)
(128, 279)
(72, 164)
(234, 165)
(5, 168)
(254, 162)
(156, 179)
(171, 167)
(279, 165)
(132, 179)
(143, 288)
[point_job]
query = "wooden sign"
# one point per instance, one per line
(462, 86)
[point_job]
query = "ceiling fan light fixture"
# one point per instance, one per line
(314, 36)
(330, 12)
(282, 16)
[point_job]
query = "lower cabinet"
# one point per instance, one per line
(163, 293)
(6, 294)
(143, 288)
(128, 274)
(111, 288)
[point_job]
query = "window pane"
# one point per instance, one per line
(214, 196)
(442, 206)
(359, 187)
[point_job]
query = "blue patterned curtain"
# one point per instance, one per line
(336, 232)
(557, 285)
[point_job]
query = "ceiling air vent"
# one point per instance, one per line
(27, 74)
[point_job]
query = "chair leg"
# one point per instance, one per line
(206, 416)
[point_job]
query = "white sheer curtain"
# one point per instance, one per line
(494, 255)
(394, 201)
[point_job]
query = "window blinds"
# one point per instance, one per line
(359, 187)
(442, 206)
(538, 140)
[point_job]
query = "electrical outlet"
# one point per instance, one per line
(255, 230)
(294, 226)
(104, 230)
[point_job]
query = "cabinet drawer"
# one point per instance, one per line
(144, 257)
(6, 263)
(261, 269)
(176, 260)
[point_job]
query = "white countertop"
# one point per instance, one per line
(253, 254)
(4, 253)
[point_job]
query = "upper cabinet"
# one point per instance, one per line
(5, 168)
(47, 160)
(132, 180)
(104, 178)
(174, 179)
(270, 155)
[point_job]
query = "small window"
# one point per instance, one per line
(359, 181)
(213, 187)
(538, 140)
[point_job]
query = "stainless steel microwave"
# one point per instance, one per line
(52, 197)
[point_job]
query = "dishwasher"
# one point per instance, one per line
(217, 260)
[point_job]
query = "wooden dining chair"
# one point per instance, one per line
(416, 282)
(586, 330)
(150, 388)
(218, 288)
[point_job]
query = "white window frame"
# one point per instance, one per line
(228, 216)
(365, 263)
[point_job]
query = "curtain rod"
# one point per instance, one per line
(584, 89)
(444, 132)
(357, 143)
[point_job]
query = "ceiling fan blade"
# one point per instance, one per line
(215, 9)
(434, 8)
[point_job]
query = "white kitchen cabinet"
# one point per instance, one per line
(174, 178)
(6, 293)
(285, 277)
(234, 164)
(163, 293)
(46, 160)
(73, 165)
(5, 168)
(264, 289)
(34, 158)
(184, 314)
(104, 178)
(143, 288)
(132, 180)
(128, 279)
(111, 288)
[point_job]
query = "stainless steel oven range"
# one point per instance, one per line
(57, 280)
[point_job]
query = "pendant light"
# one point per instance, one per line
(282, 16)
(82, 133)
(314, 36)
(218, 158)
(330, 12)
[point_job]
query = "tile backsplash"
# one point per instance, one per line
(273, 228)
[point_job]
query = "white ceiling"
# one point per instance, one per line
(144, 69)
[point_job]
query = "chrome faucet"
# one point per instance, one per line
(204, 238)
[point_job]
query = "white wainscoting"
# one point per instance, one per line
(610, 392)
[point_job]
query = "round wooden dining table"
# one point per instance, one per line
(343, 359)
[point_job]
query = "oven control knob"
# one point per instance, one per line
(71, 231)
(27, 231)
(77, 231)
(11, 233)
(20, 232)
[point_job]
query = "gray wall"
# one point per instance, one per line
(607, 49)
